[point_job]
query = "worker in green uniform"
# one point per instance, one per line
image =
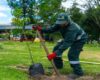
(74, 38)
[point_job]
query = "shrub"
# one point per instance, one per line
(4, 36)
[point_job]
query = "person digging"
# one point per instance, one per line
(73, 37)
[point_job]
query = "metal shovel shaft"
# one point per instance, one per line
(47, 52)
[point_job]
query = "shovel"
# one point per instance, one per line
(34, 68)
(47, 52)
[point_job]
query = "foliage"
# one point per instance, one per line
(30, 33)
(48, 10)
(16, 31)
(35, 11)
(92, 20)
(4, 36)
(89, 19)
(76, 14)
(45, 12)
(21, 9)
(91, 14)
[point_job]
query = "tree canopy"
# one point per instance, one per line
(46, 11)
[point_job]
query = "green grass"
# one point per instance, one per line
(16, 53)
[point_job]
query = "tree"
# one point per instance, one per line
(88, 19)
(92, 20)
(76, 14)
(48, 10)
(35, 10)
(22, 10)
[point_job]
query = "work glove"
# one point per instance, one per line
(51, 56)
(39, 28)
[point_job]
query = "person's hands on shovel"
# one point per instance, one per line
(39, 28)
(51, 56)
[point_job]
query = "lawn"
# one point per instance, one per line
(16, 53)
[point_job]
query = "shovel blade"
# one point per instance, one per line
(36, 69)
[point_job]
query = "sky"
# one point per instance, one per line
(69, 3)
(5, 11)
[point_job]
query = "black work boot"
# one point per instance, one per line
(58, 62)
(77, 69)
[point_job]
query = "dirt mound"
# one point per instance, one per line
(44, 77)
(86, 78)
(62, 77)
